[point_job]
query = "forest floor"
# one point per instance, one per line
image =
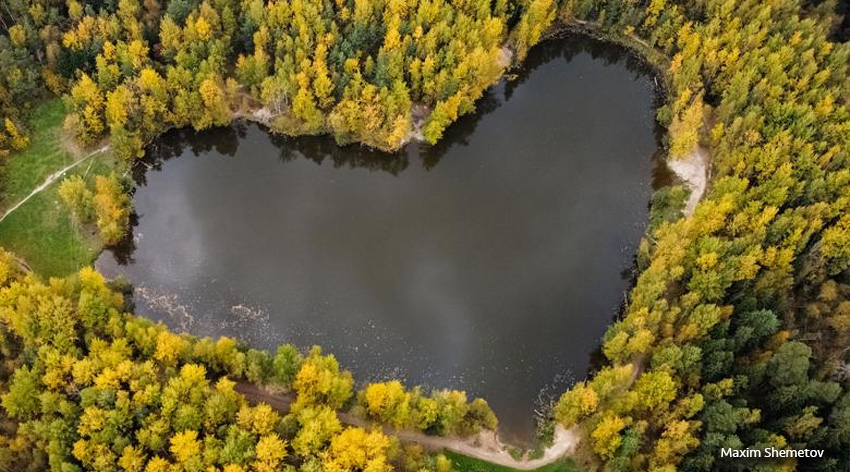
(486, 446)
(34, 224)
(693, 170)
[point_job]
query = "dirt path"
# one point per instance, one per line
(486, 446)
(50, 179)
(693, 169)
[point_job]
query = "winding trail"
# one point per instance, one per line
(485, 446)
(51, 178)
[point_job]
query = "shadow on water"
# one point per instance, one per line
(568, 48)
(319, 149)
(460, 152)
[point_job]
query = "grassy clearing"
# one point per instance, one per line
(468, 464)
(42, 231)
(25, 170)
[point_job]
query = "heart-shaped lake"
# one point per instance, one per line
(492, 262)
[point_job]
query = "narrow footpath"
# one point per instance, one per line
(485, 446)
(50, 179)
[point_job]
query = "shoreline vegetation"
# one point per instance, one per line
(688, 174)
(484, 446)
(100, 366)
(491, 448)
(41, 232)
(734, 334)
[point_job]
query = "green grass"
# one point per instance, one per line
(42, 231)
(25, 170)
(468, 464)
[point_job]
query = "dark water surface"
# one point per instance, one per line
(492, 262)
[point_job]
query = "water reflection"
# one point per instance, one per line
(490, 262)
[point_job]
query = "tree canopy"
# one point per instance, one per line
(736, 332)
(734, 335)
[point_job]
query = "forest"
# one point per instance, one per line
(91, 387)
(735, 334)
(364, 71)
